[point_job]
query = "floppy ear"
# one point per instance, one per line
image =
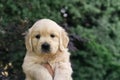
(63, 40)
(28, 42)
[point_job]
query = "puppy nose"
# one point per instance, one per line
(45, 47)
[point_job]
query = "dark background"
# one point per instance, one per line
(93, 27)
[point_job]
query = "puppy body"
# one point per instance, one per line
(57, 55)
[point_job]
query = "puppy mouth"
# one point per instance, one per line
(45, 51)
(45, 47)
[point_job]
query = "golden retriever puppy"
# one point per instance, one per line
(47, 56)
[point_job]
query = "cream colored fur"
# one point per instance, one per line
(58, 57)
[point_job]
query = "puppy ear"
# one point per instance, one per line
(64, 40)
(28, 41)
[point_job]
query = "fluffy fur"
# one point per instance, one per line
(47, 31)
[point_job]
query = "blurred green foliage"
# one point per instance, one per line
(97, 22)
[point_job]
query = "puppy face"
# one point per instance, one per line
(46, 37)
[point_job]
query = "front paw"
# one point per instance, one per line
(43, 75)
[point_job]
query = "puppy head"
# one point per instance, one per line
(45, 36)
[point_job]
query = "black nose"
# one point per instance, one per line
(45, 47)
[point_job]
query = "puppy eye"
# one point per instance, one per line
(52, 35)
(37, 36)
